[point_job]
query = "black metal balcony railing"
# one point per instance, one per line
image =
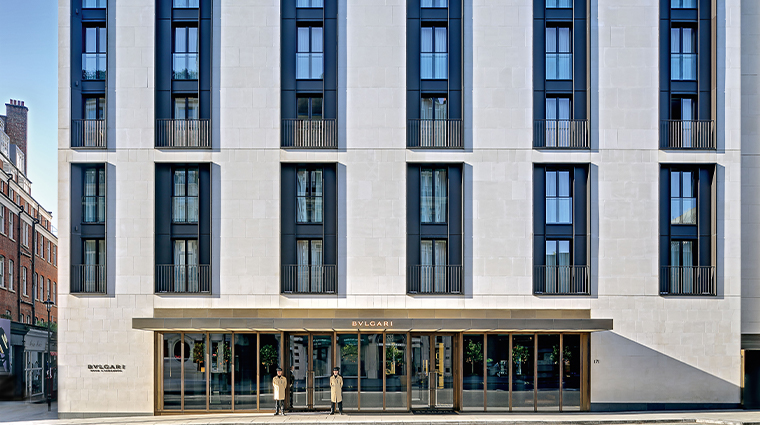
(561, 134)
(183, 279)
(88, 279)
(311, 134)
(435, 134)
(181, 133)
(93, 209)
(561, 280)
(88, 133)
(306, 279)
(687, 134)
(445, 279)
(687, 280)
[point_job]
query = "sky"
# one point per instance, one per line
(29, 72)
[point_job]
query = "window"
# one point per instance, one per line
(683, 4)
(433, 253)
(309, 3)
(559, 4)
(47, 288)
(185, 4)
(434, 56)
(2, 271)
(185, 54)
(434, 3)
(559, 57)
(10, 275)
(35, 294)
(186, 108)
(94, 55)
(433, 195)
(309, 195)
(683, 108)
(40, 287)
(310, 265)
(24, 233)
(186, 265)
(309, 108)
(683, 198)
(559, 199)
(23, 282)
(94, 108)
(55, 255)
(2, 220)
(54, 293)
(47, 250)
(434, 108)
(93, 273)
(185, 195)
(558, 115)
(309, 54)
(94, 4)
(683, 53)
(558, 266)
(10, 225)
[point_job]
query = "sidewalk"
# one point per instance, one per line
(11, 411)
(724, 417)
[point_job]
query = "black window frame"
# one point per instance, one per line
(556, 26)
(310, 26)
(310, 169)
(186, 98)
(186, 169)
(101, 30)
(694, 191)
(101, 193)
(310, 106)
(433, 26)
(186, 26)
(433, 170)
(570, 173)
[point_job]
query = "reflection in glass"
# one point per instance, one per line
(245, 371)
(498, 372)
(571, 372)
(372, 371)
(420, 371)
(269, 359)
(321, 366)
(522, 368)
(220, 372)
(547, 363)
(195, 372)
(472, 373)
(348, 362)
(395, 371)
(443, 377)
(298, 353)
(172, 355)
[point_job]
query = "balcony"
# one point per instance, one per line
(434, 134)
(183, 279)
(687, 134)
(687, 280)
(561, 134)
(444, 280)
(185, 66)
(683, 66)
(561, 280)
(88, 279)
(307, 279)
(309, 134)
(93, 209)
(88, 134)
(185, 134)
(93, 66)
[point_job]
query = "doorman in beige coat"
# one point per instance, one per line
(336, 391)
(280, 385)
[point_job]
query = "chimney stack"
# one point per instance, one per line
(16, 126)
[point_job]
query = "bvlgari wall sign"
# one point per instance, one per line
(372, 323)
(107, 368)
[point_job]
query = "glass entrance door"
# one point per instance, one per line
(433, 372)
(321, 369)
(298, 371)
(309, 368)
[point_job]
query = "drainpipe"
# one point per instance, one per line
(35, 220)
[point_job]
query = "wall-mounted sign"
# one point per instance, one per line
(5, 345)
(106, 368)
(372, 323)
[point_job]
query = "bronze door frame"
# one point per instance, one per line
(455, 365)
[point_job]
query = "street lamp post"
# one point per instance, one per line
(48, 305)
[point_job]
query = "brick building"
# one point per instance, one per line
(28, 259)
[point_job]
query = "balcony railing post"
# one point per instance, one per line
(687, 280)
(561, 280)
(687, 134)
(434, 133)
(182, 133)
(305, 133)
(561, 134)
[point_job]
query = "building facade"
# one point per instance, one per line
(506, 205)
(28, 264)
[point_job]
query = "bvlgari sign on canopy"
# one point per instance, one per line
(372, 323)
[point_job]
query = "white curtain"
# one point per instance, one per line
(426, 53)
(551, 197)
(564, 64)
(193, 271)
(440, 266)
(316, 53)
(302, 254)
(440, 67)
(303, 70)
(426, 269)
(90, 193)
(316, 266)
(441, 195)
(302, 182)
(90, 261)
(192, 195)
(179, 265)
(565, 202)
(316, 185)
(688, 267)
(426, 194)
(179, 199)
(563, 259)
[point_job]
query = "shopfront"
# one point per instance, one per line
(387, 367)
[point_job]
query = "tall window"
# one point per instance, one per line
(55, 255)
(558, 115)
(186, 108)
(94, 108)
(434, 3)
(185, 54)
(94, 201)
(185, 4)
(558, 264)
(434, 108)
(683, 4)
(94, 259)
(2, 219)
(433, 126)
(433, 262)
(10, 225)
(681, 264)
(10, 275)
(309, 56)
(24, 287)
(54, 293)
(559, 198)
(2, 271)
(309, 195)
(47, 288)
(94, 55)
(434, 56)
(47, 251)
(186, 265)
(185, 195)
(683, 108)
(309, 108)
(35, 293)
(559, 4)
(309, 3)
(683, 197)
(683, 53)
(559, 56)
(310, 265)
(94, 4)
(433, 195)
(24, 233)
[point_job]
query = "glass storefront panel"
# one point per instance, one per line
(420, 371)
(443, 383)
(523, 375)
(472, 374)
(571, 372)
(395, 372)
(172, 363)
(348, 362)
(298, 352)
(245, 371)
(220, 372)
(269, 358)
(321, 365)
(547, 364)
(371, 372)
(195, 372)
(498, 373)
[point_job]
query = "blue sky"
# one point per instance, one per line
(29, 72)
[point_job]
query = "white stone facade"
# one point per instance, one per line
(661, 350)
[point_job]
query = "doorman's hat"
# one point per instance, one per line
(336, 368)
(279, 369)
